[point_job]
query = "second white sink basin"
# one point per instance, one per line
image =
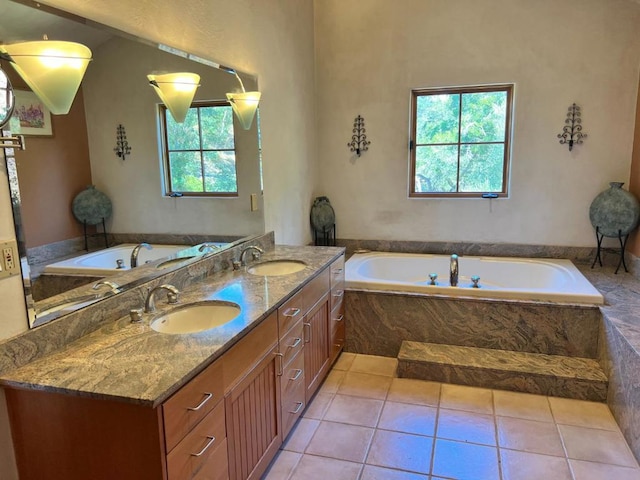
(277, 267)
(196, 318)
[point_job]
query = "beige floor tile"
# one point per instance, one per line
(372, 472)
(374, 365)
(400, 451)
(311, 467)
(585, 414)
(596, 445)
(529, 436)
(465, 461)
(365, 385)
(341, 441)
(598, 471)
(318, 406)
(282, 465)
(522, 405)
(466, 427)
(407, 418)
(420, 392)
(300, 436)
(532, 466)
(354, 410)
(344, 361)
(471, 399)
(332, 382)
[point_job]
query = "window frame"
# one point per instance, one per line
(508, 88)
(166, 164)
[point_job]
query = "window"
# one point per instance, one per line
(460, 141)
(199, 154)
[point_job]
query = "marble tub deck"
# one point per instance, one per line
(617, 342)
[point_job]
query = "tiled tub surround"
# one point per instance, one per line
(103, 362)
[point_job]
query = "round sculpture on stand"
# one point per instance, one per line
(323, 221)
(92, 207)
(614, 213)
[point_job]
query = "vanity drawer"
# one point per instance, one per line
(191, 404)
(337, 341)
(203, 448)
(337, 296)
(337, 272)
(336, 317)
(292, 343)
(292, 375)
(291, 311)
(317, 288)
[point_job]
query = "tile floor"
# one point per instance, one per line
(365, 424)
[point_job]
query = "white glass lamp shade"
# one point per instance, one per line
(176, 90)
(244, 105)
(52, 69)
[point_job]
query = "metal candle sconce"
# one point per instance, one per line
(359, 141)
(572, 131)
(122, 146)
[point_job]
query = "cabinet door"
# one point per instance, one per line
(316, 349)
(252, 411)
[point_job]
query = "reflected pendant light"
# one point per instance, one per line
(176, 90)
(244, 105)
(52, 69)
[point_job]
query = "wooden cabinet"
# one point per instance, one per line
(316, 348)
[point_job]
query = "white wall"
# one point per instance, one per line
(369, 54)
(116, 91)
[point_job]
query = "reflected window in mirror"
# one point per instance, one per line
(199, 155)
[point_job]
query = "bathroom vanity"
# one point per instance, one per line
(128, 402)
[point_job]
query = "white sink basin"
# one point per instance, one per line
(196, 318)
(277, 267)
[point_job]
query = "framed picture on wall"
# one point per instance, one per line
(30, 116)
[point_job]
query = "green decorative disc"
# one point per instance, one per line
(91, 206)
(615, 211)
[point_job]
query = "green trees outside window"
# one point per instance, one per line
(199, 154)
(460, 141)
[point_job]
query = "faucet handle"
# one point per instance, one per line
(433, 277)
(172, 298)
(475, 279)
(135, 315)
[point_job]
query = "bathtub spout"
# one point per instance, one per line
(453, 270)
(136, 251)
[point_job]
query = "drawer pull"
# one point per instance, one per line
(280, 366)
(292, 312)
(296, 343)
(299, 406)
(339, 293)
(204, 449)
(337, 271)
(297, 375)
(307, 337)
(339, 318)
(207, 396)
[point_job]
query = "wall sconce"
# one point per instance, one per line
(176, 90)
(244, 104)
(52, 69)
(122, 146)
(572, 131)
(359, 141)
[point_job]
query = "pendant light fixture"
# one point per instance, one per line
(244, 103)
(176, 90)
(52, 69)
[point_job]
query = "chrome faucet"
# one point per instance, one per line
(453, 270)
(113, 287)
(150, 302)
(136, 251)
(256, 254)
(208, 246)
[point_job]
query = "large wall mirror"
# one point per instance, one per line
(75, 151)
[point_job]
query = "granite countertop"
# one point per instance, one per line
(131, 362)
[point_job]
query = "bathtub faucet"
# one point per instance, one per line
(136, 251)
(453, 270)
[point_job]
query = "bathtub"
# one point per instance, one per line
(544, 280)
(104, 262)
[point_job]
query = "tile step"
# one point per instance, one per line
(554, 375)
